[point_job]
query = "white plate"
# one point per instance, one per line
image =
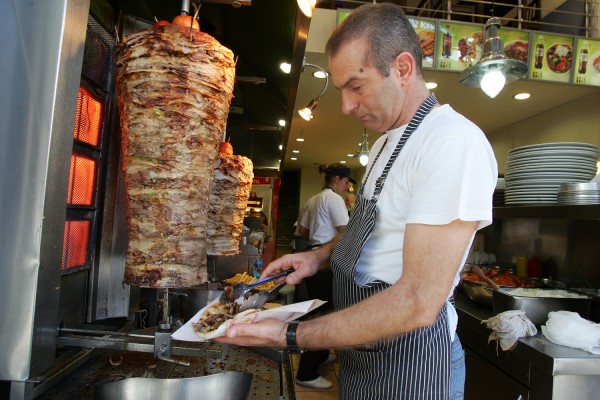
(550, 168)
(549, 177)
(554, 145)
(558, 160)
(581, 152)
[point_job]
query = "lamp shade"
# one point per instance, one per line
(493, 62)
(306, 112)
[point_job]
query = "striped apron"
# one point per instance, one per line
(415, 365)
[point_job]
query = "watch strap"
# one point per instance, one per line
(290, 338)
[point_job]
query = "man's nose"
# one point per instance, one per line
(348, 103)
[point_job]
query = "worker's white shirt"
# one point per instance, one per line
(325, 212)
(446, 171)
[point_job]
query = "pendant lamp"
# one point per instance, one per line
(494, 70)
(363, 152)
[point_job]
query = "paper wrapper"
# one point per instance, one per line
(285, 313)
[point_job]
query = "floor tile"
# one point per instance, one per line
(314, 395)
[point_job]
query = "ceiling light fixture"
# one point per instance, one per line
(307, 7)
(431, 85)
(282, 122)
(522, 96)
(363, 153)
(307, 112)
(494, 70)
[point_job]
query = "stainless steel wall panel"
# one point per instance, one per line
(42, 53)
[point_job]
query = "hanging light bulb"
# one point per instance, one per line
(363, 153)
(307, 7)
(364, 159)
(494, 70)
(492, 82)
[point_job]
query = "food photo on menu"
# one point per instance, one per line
(553, 58)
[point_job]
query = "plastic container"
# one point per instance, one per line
(534, 268)
(522, 266)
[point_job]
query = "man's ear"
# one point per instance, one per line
(404, 63)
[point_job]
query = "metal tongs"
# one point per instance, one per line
(240, 289)
(257, 300)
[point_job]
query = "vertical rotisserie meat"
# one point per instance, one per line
(230, 190)
(174, 89)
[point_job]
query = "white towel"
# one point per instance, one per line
(508, 326)
(569, 329)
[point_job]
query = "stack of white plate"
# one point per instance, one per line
(579, 193)
(534, 173)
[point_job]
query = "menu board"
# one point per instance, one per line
(587, 62)
(552, 58)
(342, 13)
(459, 45)
(516, 44)
(425, 29)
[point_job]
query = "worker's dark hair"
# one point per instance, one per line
(333, 170)
(388, 31)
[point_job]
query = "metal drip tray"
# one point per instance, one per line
(267, 377)
(229, 385)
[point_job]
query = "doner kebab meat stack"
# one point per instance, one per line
(232, 181)
(174, 88)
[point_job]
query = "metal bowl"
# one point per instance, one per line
(477, 292)
(230, 385)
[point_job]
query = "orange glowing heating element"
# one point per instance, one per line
(88, 118)
(82, 180)
(75, 243)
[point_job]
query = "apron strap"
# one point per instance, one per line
(414, 123)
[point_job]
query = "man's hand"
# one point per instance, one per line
(304, 264)
(266, 333)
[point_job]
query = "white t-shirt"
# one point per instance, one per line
(325, 212)
(446, 171)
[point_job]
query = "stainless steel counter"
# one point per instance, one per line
(535, 368)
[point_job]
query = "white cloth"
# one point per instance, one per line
(508, 326)
(569, 329)
(446, 171)
(325, 212)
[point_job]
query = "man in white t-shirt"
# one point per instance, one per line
(427, 190)
(326, 214)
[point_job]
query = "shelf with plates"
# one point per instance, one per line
(587, 212)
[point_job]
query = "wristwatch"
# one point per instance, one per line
(290, 338)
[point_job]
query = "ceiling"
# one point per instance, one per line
(330, 136)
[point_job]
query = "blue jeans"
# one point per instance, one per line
(457, 371)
